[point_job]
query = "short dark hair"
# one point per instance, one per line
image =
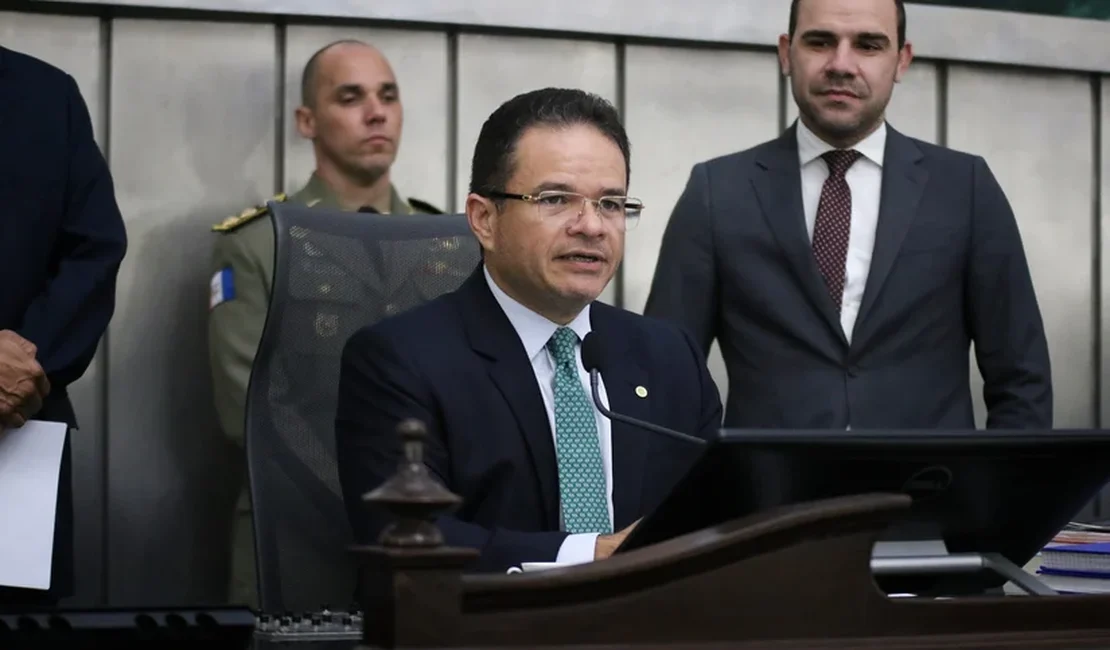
(311, 68)
(493, 163)
(899, 5)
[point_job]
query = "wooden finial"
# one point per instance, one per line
(413, 496)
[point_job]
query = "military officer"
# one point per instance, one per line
(351, 111)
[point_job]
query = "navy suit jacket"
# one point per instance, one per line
(948, 268)
(457, 364)
(61, 239)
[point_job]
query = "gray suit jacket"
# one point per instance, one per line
(948, 268)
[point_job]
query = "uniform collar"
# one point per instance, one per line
(316, 193)
(397, 205)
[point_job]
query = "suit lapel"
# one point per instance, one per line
(492, 336)
(778, 186)
(903, 184)
(622, 373)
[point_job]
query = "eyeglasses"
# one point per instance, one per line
(557, 204)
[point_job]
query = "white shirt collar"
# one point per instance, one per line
(533, 329)
(811, 147)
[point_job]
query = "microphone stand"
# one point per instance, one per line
(634, 422)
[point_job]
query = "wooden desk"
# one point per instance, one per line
(793, 577)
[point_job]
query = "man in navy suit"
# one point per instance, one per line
(62, 240)
(494, 369)
(845, 268)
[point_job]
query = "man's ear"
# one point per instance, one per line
(905, 55)
(482, 216)
(784, 54)
(306, 122)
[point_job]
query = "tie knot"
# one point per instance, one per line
(839, 160)
(561, 344)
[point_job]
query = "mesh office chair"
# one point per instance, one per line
(334, 272)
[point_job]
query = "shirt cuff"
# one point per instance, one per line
(577, 549)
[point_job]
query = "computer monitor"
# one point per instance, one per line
(999, 492)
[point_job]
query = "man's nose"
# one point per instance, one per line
(374, 111)
(589, 221)
(843, 60)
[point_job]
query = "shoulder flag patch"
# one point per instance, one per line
(222, 287)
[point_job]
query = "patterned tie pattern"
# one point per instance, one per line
(577, 447)
(834, 221)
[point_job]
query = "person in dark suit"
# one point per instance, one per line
(62, 240)
(846, 268)
(494, 368)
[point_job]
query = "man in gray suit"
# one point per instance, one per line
(845, 268)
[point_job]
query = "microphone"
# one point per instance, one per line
(591, 360)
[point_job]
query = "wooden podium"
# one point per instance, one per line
(798, 577)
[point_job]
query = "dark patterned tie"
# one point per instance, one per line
(833, 223)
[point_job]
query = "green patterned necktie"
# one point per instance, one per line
(577, 447)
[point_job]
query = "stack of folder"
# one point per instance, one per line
(1077, 561)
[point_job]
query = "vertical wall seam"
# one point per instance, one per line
(1096, 208)
(783, 96)
(942, 103)
(1096, 235)
(452, 178)
(103, 366)
(622, 109)
(281, 38)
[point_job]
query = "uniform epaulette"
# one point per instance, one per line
(246, 216)
(424, 206)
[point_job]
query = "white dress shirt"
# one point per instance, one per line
(865, 179)
(534, 332)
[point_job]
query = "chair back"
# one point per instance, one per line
(334, 272)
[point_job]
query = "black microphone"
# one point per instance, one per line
(591, 360)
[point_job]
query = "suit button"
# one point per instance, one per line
(853, 371)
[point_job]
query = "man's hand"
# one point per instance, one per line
(23, 383)
(606, 544)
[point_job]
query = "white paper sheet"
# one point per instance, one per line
(30, 461)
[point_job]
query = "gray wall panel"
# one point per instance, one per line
(74, 45)
(192, 132)
(419, 61)
(1039, 147)
(954, 33)
(493, 69)
(913, 105)
(683, 107)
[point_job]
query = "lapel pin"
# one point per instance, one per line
(641, 391)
